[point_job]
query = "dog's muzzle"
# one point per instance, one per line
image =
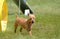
(32, 21)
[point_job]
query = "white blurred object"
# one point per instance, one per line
(3, 25)
(27, 12)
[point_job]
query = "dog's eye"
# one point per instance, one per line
(30, 18)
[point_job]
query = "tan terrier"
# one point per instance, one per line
(24, 23)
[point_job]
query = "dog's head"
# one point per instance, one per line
(32, 18)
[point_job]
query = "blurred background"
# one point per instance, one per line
(47, 22)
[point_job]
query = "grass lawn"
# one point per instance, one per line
(47, 22)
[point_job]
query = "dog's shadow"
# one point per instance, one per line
(24, 33)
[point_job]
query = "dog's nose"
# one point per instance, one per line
(32, 21)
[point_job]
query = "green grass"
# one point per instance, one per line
(47, 22)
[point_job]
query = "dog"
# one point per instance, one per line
(24, 23)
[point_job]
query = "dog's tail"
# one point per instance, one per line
(16, 14)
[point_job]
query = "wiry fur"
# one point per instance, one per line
(24, 23)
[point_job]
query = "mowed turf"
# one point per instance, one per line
(47, 22)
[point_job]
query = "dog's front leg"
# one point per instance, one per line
(30, 33)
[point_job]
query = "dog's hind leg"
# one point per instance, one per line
(15, 25)
(21, 29)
